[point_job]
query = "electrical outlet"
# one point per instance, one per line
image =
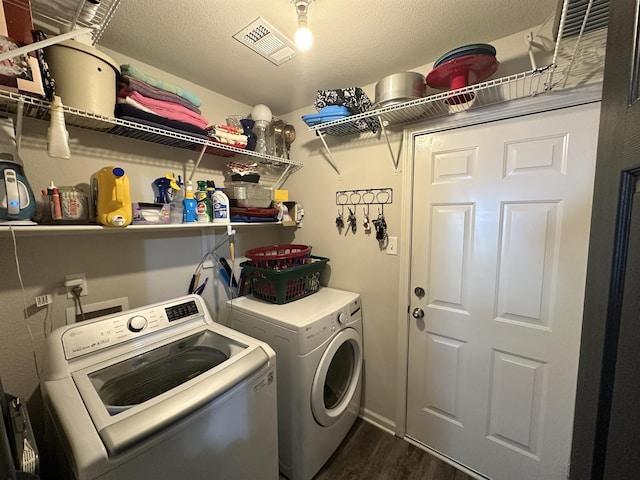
(392, 246)
(43, 300)
(76, 280)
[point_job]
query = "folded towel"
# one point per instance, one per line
(172, 111)
(169, 87)
(133, 103)
(129, 112)
(150, 91)
(229, 135)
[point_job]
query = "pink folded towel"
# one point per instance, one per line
(150, 91)
(170, 110)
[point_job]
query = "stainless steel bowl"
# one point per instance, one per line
(399, 87)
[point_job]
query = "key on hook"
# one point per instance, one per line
(352, 221)
(365, 223)
(381, 228)
(339, 221)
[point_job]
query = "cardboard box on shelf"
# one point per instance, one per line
(16, 28)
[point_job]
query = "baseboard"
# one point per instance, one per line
(379, 421)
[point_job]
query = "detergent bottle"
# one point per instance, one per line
(220, 206)
(203, 208)
(111, 197)
(189, 212)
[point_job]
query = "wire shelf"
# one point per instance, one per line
(499, 90)
(36, 108)
(60, 16)
(578, 59)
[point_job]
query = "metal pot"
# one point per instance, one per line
(399, 87)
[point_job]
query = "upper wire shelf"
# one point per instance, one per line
(520, 85)
(40, 109)
(62, 16)
(581, 30)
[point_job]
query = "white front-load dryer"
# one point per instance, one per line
(318, 345)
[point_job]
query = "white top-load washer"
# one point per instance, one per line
(162, 392)
(318, 344)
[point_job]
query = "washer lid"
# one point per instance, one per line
(132, 396)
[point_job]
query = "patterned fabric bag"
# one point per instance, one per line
(354, 99)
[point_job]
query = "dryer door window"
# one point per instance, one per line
(337, 377)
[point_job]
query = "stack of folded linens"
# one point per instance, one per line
(153, 102)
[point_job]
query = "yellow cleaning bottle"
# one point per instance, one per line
(111, 197)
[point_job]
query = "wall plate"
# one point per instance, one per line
(98, 309)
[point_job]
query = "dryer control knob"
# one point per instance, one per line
(137, 323)
(342, 318)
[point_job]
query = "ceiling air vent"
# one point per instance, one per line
(263, 38)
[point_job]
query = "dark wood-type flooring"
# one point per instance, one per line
(369, 453)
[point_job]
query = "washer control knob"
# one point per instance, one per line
(137, 323)
(342, 318)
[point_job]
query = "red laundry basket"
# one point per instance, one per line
(278, 257)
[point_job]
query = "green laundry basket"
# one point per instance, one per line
(287, 285)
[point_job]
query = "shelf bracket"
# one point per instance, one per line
(282, 178)
(394, 158)
(19, 116)
(197, 164)
(329, 156)
(44, 43)
(528, 40)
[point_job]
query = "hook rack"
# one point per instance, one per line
(369, 196)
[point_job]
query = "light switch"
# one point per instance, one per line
(392, 246)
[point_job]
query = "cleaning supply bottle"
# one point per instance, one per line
(189, 214)
(204, 203)
(56, 205)
(111, 197)
(57, 134)
(220, 206)
(176, 205)
(211, 188)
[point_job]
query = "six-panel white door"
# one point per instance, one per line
(501, 215)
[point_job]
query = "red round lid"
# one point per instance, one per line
(462, 71)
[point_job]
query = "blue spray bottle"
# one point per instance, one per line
(189, 212)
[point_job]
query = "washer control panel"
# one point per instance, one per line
(92, 336)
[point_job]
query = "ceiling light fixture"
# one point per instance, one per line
(303, 36)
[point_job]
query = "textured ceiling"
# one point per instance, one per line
(356, 43)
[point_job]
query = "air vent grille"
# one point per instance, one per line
(267, 41)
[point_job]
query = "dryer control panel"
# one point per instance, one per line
(89, 337)
(319, 331)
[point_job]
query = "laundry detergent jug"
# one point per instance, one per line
(111, 197)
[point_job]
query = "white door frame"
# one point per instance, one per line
(541, 103)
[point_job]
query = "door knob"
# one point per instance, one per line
(417, 313)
